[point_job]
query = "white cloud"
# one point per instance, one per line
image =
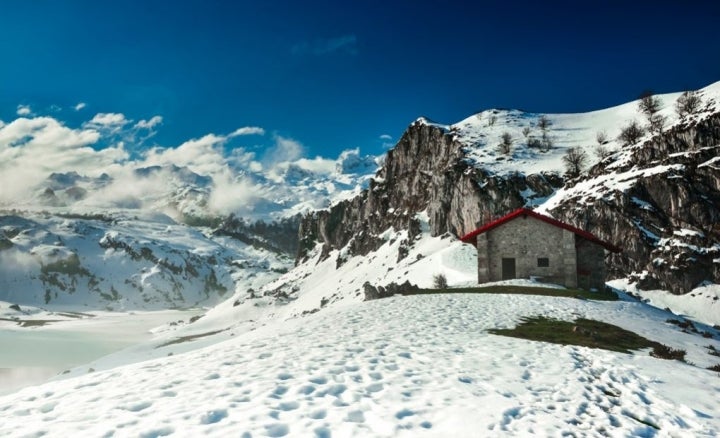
(109, 120)
(326, 46)
(317, 165)
(232, 196)
(24, 110)
(149, 124)
(386, 137)
(201, 155)
(30, 149)
(248, 130)
(285, 149)
(79, 106)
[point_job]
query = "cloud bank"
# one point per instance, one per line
(99, 165)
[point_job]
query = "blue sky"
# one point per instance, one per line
(335, 75)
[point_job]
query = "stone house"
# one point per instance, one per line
(526, 244)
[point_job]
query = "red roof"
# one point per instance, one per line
(472, 236)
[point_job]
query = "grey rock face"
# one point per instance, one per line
(667, 223)
(426, 171)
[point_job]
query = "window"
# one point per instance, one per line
(543, 262)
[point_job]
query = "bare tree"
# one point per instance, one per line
(574, 159)
(602, 152)
(526, 131)
(688, 103)
(630, 134)
(534, 142)
(546, 143)
(440, 281)
(506, 142)
(649, 104)
(657, 123)
(601, 137)
(544, 123)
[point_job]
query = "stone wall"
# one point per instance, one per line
(591, 264)
(526, 239)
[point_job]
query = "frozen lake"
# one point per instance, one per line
(32, 355)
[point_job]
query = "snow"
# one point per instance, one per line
(404, 366)
(149, 260)
(301, 354)
(33, 354)
(700, 304)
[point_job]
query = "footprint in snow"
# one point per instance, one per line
(277, 430)
(137, 407)
(318, 415)
(356, 417)
(213, 416)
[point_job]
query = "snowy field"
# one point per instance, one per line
(31, 355)
(403, 366)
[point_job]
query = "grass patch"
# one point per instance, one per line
(525, 290)
(188, 338)
(581, 332)
(665, 352)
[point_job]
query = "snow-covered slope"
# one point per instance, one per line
(404, 366)
(481, 134)
(123, 260)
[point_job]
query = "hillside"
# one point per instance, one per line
(295, 350)
(404, 366)
(143, 236)
(657, 198)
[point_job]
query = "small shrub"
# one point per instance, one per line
(440, 281)
(715, 368)
(546, 143)
(492, 120)
(601, 137)
(656, 123)
(544, 123)
(602, 152)
(505, 146)
(712, 351)
(630, 134)
(649, 104)
(664, 352)
(526, 131)
(574, 160)
(535, 143)
(688, 103)
(684, 324)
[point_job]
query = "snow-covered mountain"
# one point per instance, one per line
(123, 260)
(657, 198)
(283, 191)
(157, 236)
(294, 350)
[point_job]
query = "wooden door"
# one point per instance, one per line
(508, 268)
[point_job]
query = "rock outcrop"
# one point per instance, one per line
(658, 200)
(668, 219)
(426, 171)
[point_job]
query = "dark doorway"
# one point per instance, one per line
(508, 269)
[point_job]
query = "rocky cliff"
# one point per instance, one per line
(659, 199)
(426, 171)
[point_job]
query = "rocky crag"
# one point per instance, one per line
(658, 199)
(426, 171)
